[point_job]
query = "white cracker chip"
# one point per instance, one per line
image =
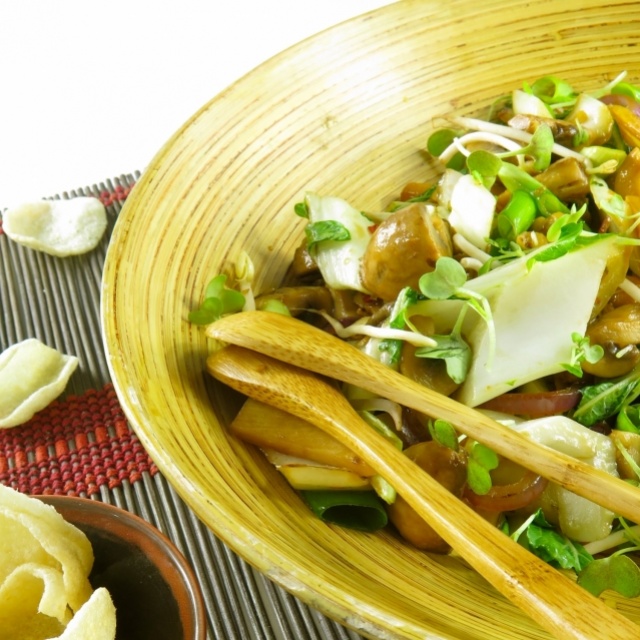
(45, 561)
(96, 619)
(32, 375)
(57, 227)
(34, 588)
(66, 547)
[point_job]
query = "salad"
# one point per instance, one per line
(510, 283)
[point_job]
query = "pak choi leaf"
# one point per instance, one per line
(601, 401)
(324, 230)
(556, 549)
(539, 536)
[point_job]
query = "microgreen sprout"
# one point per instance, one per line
(218, 300)
(582, 351)
(502, 251)
(446, 282)
(398, 319)
(443, 433)
(556, 93)
(480, 459)
(514, 178)
(539, 148)
(617, 572)
(440, 140)
(565, 234)
(480, 463)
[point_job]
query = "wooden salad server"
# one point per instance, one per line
(293, 341)
(559, 605)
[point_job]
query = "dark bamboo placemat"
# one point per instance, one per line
(83, 445)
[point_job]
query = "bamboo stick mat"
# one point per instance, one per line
(83, 445)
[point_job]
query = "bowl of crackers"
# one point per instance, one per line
(74, 568)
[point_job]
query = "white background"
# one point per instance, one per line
(91, 90)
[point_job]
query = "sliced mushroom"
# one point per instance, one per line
(618, 332)
(429, 372)
(563, 132)
(404, 247)
(631, 443)
(446, 466)
(614, 274)
(567, 179)
(299, 299)
(303, 265)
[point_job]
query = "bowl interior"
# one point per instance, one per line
(153, 588)
(345, 113)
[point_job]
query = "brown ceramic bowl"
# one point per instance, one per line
(156, 594)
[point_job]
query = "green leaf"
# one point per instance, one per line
(479, 464)
(582, 351)
(382, 428)
(627, 89)
(405, 300)
(484, 163)
(618, 572)
(568, 240)
(455, 352)
(443, 433)
(360, 510)
(485, 456)
(539, 536)
(443, 282)
(601, 401)
(556, 549)
(478, 478)
(628, 419)
(423, 197)
(567, 224)
(301, 209)
(539, 148)
(552, 90)
(439, 140)
(514, 178)
(324, 230)
(218, 301)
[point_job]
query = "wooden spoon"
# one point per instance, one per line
(555, 602)
(300, 344)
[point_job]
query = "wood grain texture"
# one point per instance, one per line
(302, 345)
(345, 113)
(527, 581)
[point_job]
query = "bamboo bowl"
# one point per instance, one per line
(345, 113)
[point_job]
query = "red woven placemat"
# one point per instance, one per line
(73, 447)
